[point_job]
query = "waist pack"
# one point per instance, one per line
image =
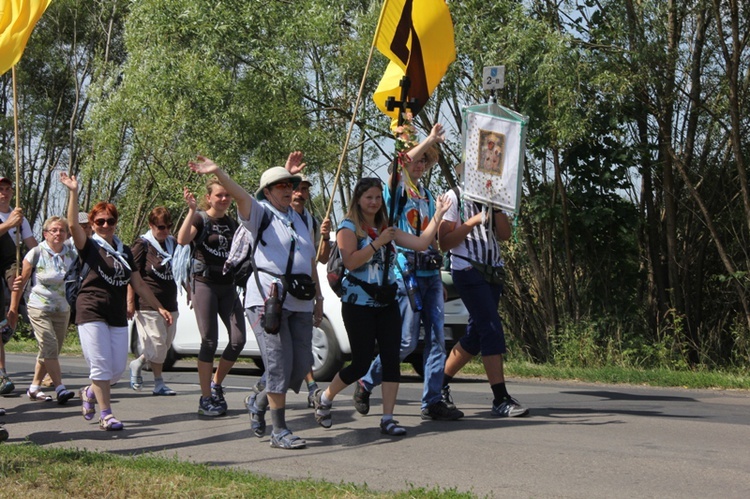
(493, 275)
(382, 294)
(300, 286)
(430, 260)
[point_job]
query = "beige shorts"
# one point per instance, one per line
(154, 336)
(50, 330)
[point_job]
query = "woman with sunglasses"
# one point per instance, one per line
(46, 265)
(368, 305)
(285, 261)
(214, 293)
(152, 254)
(101, 306)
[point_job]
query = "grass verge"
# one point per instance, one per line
(46, 472)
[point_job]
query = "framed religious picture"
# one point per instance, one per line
(494, 145)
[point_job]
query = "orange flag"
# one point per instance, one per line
(417, 37)
(17, 21)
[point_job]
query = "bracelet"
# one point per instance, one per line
(327, 239)
(374, 249)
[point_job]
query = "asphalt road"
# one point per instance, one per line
(581, 440)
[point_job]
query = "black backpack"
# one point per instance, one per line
(335, 270)
(73, 279)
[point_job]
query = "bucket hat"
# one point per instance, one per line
(275, 175)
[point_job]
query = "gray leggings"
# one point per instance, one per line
(210, 300)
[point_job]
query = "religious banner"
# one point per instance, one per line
(494, 145)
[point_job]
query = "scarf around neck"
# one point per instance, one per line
(118, 253)
(169, 243)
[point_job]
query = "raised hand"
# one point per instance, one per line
(442, 204)
(69, 181)
(437, 134)
(294, 163)
(203, 166)
(189, 199)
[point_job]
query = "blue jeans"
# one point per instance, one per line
(432, 317)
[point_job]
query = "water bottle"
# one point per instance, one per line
(272, 311)
(412, 288)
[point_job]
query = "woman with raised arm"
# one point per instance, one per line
(284, 262)
(101, 306)
(368, 305)
(213, 293)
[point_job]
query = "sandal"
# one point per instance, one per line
(164, 390)
(136, 380)
(322, 411)
(87, 404)
(286, 440)
(39, 396)
(392, 428)
(110, 423)
(257, 417)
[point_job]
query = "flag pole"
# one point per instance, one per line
(346, 141)
(17, 162)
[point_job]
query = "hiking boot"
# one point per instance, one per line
(209, 407)
(447, 399)
(441, 412)
(63, 396)
(509, 408)
(6, 385)
(361, 398)
(217, 392)
(3, 433)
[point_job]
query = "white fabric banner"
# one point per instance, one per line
(494, 146)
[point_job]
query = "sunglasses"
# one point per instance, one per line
(109, 221)
(163, 227)
(283, 185)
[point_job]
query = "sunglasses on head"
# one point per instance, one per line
(101, 221)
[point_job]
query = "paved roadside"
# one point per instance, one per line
(582, 440)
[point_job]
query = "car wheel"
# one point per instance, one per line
(327, 359)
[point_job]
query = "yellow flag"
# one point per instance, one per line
(17, 21)
(417, 37)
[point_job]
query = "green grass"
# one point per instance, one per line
(42, 472)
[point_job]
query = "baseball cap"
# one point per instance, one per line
(6, 180)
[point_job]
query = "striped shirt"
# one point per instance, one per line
(480, 244)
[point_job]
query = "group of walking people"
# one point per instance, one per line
(283, 299)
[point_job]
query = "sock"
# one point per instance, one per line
(137, 364)
(324, 400)
(499, 392)
(60, 388)
(447, 379)
(278, 420)
(312, 386)
(386, 418)
(33, 388)
(158, 383)
(261, 401)
(215, 384)
(2, 371)
(105, 413)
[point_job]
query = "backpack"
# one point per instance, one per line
(335, 270)
(73, 279)
(244, 268)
